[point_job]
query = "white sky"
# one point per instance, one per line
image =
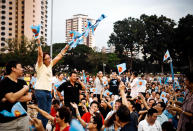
(114, 10)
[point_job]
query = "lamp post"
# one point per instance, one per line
(104, 68)
(51, 28)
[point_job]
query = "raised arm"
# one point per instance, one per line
(83, 123)
(40, 54)
(123, 95)
(60, 55)
(42, 112)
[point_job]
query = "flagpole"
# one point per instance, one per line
(172, 71)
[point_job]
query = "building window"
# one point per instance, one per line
(33, 11)
(10, 18)
(2, 44)
(22, 2)
(10, 23)
(42, 32)
(2, 38)
(10, 8)
(3, 6)
(10, 13)
(3, 1)
(10, 28)
(22, 32)
(34, 1)
(10, 2)
(22, 17)
(2, 33)
(22, 12)
(10, 34)
(3, 22)
(22, 27)
(34, 6)
(3, 17)
(2, 12)
(2, 28)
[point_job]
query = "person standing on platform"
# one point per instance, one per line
(43, 84)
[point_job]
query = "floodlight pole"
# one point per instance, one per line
(51, 28)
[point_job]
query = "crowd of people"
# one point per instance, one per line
(112, 102)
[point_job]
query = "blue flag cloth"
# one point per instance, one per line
(16, 111)
(163, 95)
(84, 78)
(36, 30)
(177, 84)
(166, 81)
(166, 56)
(94, 90)
(107, 93)
(140, 83)
(76, 126)
(160, 80)
(77, 38)
(121, 68)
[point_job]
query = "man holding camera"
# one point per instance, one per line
(71, 89)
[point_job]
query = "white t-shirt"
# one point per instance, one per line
(44, 77)
(134, 88)
(99, 85)
(144, 126)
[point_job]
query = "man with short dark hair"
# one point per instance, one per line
(13, 90)
(160, 107)
(71, 89)
(150, 123)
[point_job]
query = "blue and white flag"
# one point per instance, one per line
(121, 68)
(140, 83)
(107, 93)
(16, 111)
(166, 56)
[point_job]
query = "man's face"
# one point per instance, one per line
(100, 74)
(117, 105)
(153, 118)
(151, 102)
(18, 70)
(158, 107)
(73, 77)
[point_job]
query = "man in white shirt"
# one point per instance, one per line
(150, 123)
(160, 107)
(98, 83)
(133, 85)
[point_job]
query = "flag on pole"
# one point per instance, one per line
(121, 68)
(84, 78)
(166, 56)
(16, 111)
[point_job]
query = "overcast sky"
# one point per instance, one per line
(114, 10)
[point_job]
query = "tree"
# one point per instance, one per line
(184, 39)
(127, 37)
(159, 36)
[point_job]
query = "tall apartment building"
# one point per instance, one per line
(17, 16)
(77, 23)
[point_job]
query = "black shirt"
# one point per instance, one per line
(71, 93)
(114, 86)
(7, 86)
